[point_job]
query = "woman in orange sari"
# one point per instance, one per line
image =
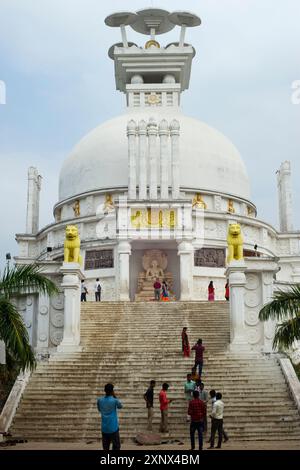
(185, 343)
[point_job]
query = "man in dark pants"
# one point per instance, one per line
(107, 406)
(199, 350)
(84, 291)
(197, 412)
(217, 421)
(149, 397)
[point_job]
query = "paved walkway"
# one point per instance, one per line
(253, 445)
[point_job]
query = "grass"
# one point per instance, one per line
(297, 370)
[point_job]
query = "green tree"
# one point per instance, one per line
(285, 309)
(15, 282)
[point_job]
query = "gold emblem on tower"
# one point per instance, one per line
(152, 42)
(153, 98)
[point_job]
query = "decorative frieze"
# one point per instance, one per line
(210, 257)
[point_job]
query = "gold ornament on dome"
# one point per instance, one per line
(231, 208)
(76, 208)
(108, 203)
(250, 211)
(152, 42)
(198, 202)
(58, 215)
(153, 99)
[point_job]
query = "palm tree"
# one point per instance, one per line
(13, 283)
(285, 308)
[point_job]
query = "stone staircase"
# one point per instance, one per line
(131, 343)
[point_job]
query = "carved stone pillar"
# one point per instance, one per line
(72, 277)
(131, 134)
(33, 201)
(186, 253)
(163, 135)
(174, 129)
(285, 197)
(237, 282)
(152, 137)
(124, 252)
(142, 133)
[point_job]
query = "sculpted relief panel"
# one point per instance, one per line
(56, 324)
(210, 257)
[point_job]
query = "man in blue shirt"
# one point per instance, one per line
(107, 406)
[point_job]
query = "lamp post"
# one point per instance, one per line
(8, 258)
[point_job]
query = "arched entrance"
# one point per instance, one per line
(151, 257)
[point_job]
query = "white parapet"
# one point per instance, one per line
(13, 401)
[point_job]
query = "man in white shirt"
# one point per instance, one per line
(97, 289)
(217, 421)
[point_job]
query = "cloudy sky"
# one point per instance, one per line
(60, 84)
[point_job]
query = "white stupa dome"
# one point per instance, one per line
(208, 160)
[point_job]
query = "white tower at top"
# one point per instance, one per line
(152, 75)
(285, 197)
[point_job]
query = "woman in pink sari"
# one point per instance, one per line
(185, 343)
(211, 292)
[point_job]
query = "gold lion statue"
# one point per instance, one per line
(235, 243)
(72, 245)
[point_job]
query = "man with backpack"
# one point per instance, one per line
(97, 290)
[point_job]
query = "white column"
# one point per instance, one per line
(131, 133)
(142, 133)
(33, 201)
(72, 277)
(186, 253)
(182, 35)
(285, 197)
(164, 182)
(124, 36)
(152, 137)
(174, 129)
(237, 282)
(124, 251)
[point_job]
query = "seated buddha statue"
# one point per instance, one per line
(154, 271)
